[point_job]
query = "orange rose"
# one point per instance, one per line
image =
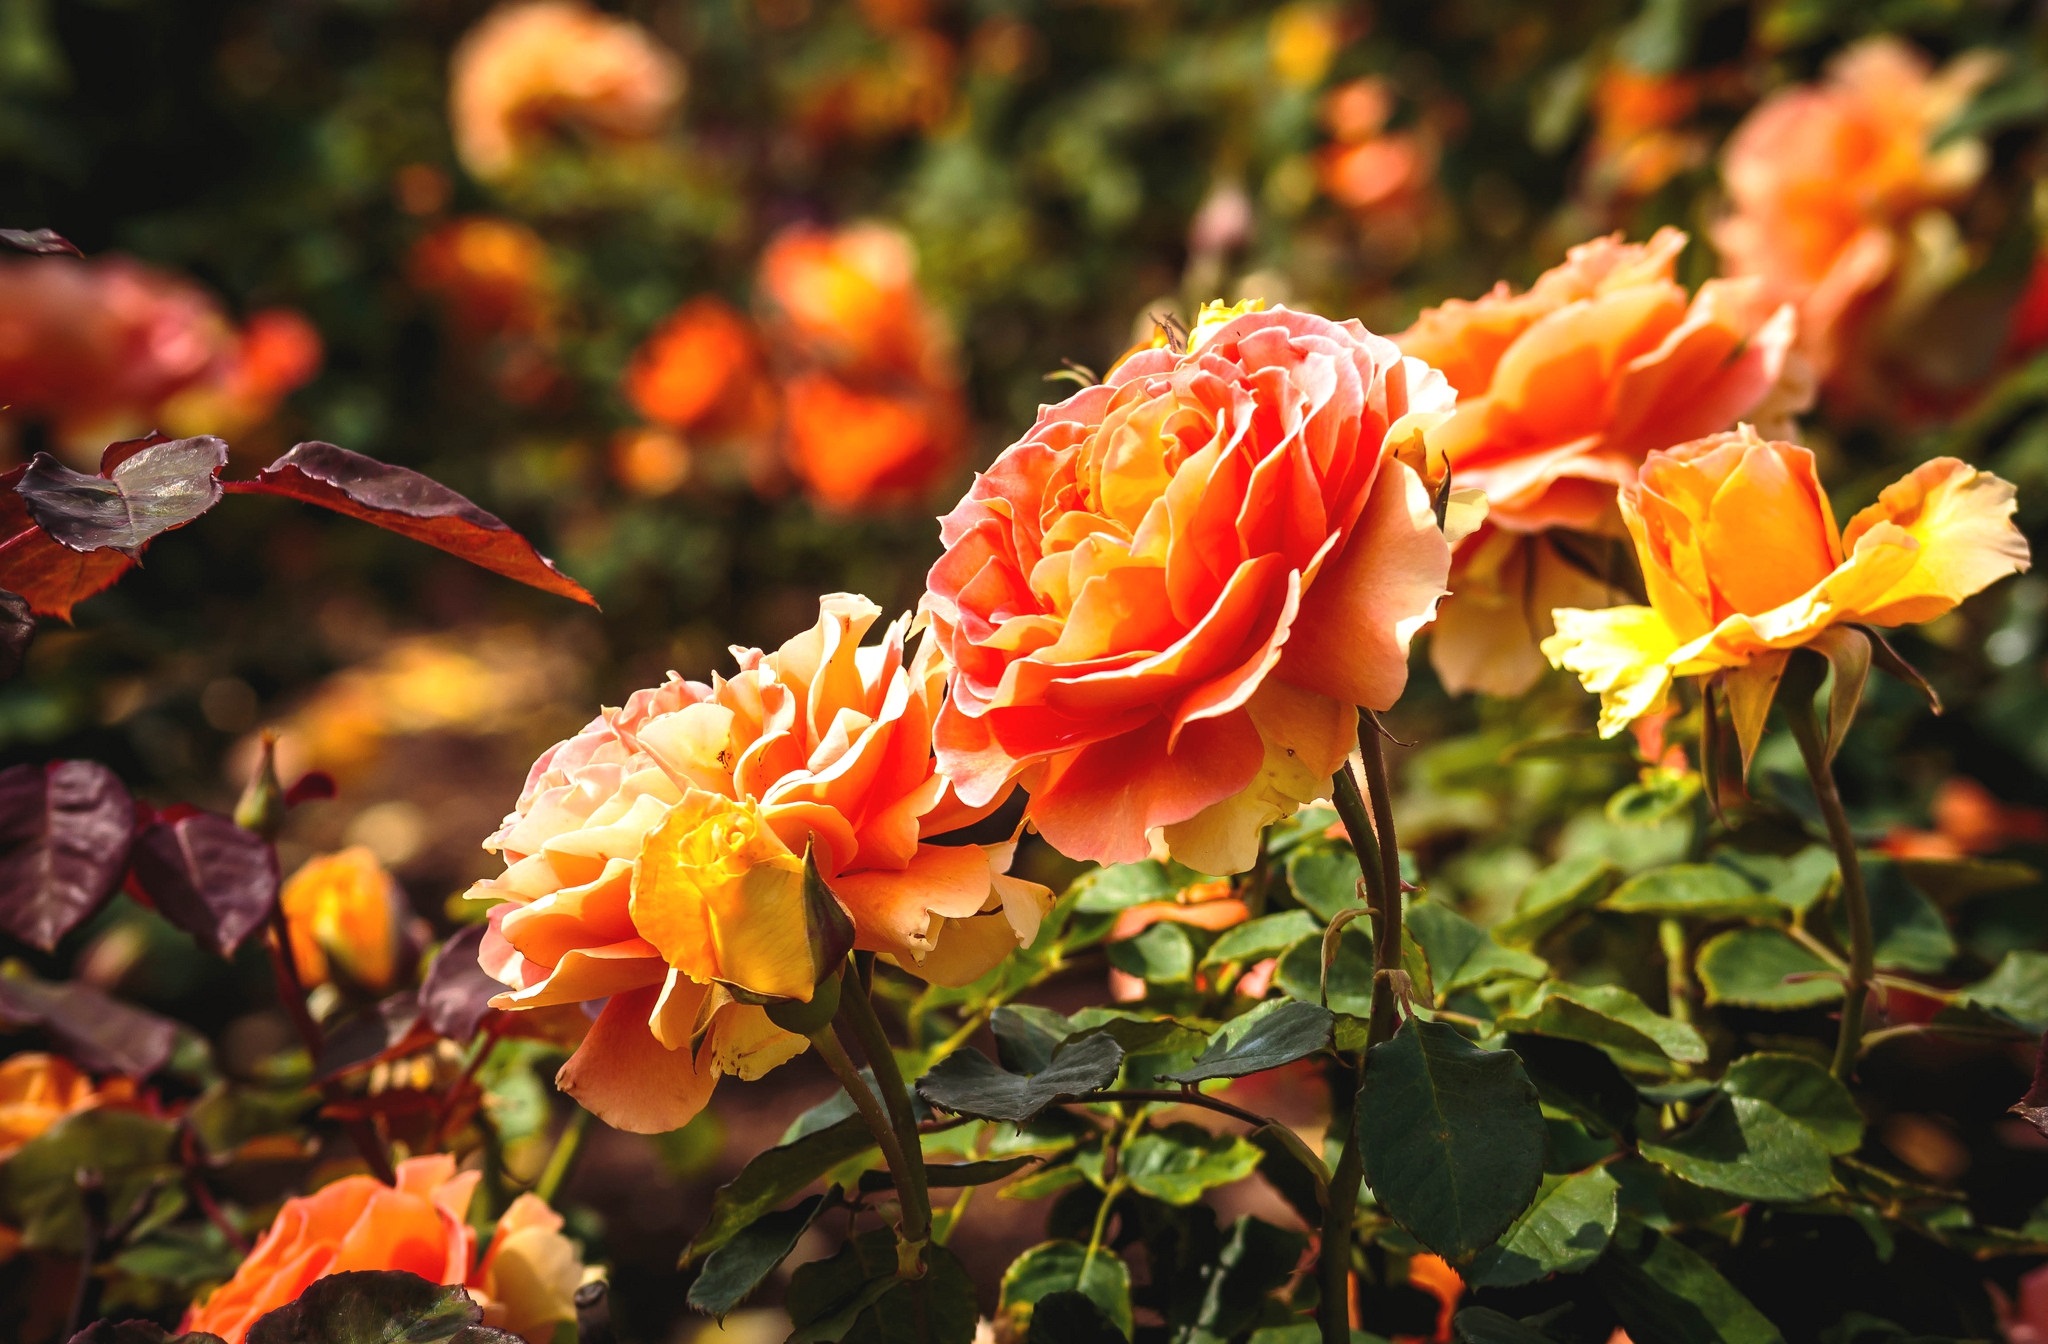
(1743, 563)
(525, 1282)
(38, 1090)
(1164, 603)
(1562, 392)
(1638, 144)
(848, 299)
(1387, 178)
(1827, 180)
(491, 274)
(535, 68)
(656, 862)
(702, 364)
(346, 913)
(854, 449)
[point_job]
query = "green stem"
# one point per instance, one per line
(563, 1159)
(829, 1049)
(857, 1010)
(1333, 1260)
(1855, 901)
(1386, 893)
(1677, 976)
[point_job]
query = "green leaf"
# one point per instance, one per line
(1749, 1148)
(1027, 1035)
(1563, 1232)
(855, 1296)
(1665, 1292)
(39, 1192)
(1610, 1017)
(751, 1255)
(968, 1082)
(1273, 1034)
(1066, 1267)
(1258, 1259)
(1579, 1079)
(1805, 1091)
(377, 1306)
(1301, 970)
(1690, 891)
(774, 1177)
(1176, 1163)
(1108, 890)
(2017, 988)
(1908, 931)
(1324, 879)
(1461, 954)
(1452, 1137)
(1161, 955)
(1070, 1317)
(953, 1175)
(1753, 968)
(1796, 882)
(1293, 1170)
(1484, 1325)
(1555, 895)
(1266, 936)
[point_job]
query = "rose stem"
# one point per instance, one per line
(291, 993)
(1855, 901)
(857, 1010)
(1379, 862)
(562, 1160)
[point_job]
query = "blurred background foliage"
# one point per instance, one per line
(727, 327)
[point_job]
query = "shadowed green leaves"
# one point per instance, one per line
(1666, 1292)
(773, 1178)
(1768, 1132)
(1066, 1267)
(968, 1082)
(1563, 1232)
(737, 1268)
(1269, 1036)
(1613, 1019)
(1764, 968)
(1452, 1137)
(856, 1296)
(378, 1307)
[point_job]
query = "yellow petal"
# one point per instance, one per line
(1306, 736)
(1961, 521)
(1621, 653)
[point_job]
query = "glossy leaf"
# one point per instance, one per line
(142, 490)
(1161, 955)
(1178, 1163)
(207, 876)
(1324, 879)
(2017, 988)
(953, 1175)
(1554, 896)
(1256, 1261)
(1748, 1148)
(1763, 968)
(773, 1178)
(99, 1032)
(1102, 891)
(1805, 1092)
(64, 835)
(457, 992)
(378, 1306)
(48, 575)
(1452, 1137)
(737, 1268)
(1027, 1035)
(1563, 1232)
(1690, 891)
(1664, 1291)
(1610, 1017)
(1300, 972)
(1579, 1079)
(1269, 1036)
(1066, 1267)
(1461, 954)
(412, 505)
(968, 1082)
(1266, 936)
(854, 1295)
(131, 1153)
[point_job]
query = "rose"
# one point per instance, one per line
(38, 1090)
(1743, 563)
(1562, 391)
(656, 861)
(1826, 180)
(344, 909)
(526, 1280)
(531, 69)
(1164, 603)
(854, 449)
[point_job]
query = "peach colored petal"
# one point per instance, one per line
(1106, 797)
(1306, 737)
(629, 1080)
(897, 912)
(1961, 520)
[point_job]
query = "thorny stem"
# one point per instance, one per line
(1855, 901)
(857, 1010)
(562, 1160)
(291, 992)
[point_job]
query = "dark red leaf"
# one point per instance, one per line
(309, 788)
(144, 489)
(101, 1033)
(385, 1030)
(411, 505)
(209, 877)
(64, 833)
(457, 992)
(2033, 1107)
(17, 628)
(42, 242)
(51, 577)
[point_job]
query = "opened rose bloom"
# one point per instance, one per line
(1165, 603)
(1562, 392)
(1827, 180)
(656, 862)
(535, 69)
(525, 1280)
(1743, 563)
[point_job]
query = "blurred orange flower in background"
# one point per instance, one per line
(1164, 604)
(37, 1090)
(109, 348)
(852, 448)
(492, 275)
(531, 72)
(1837, 188)
(655, 862)
(1562, 392)
(1385, 177)
(346, 915)
(1639, 136)
(702, 367)
(525, 1281)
